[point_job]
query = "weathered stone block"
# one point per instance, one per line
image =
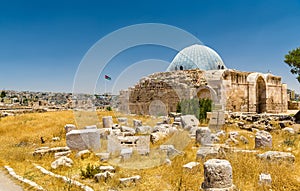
(69, 127)
(123, 121)
(276, 156)
(84, 139)
(263, 139)
(189, 121)
(203, 136)
(62, 161)
(217, 175)
(107, 122)
(137, 123)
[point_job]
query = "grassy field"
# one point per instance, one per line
(20, 135)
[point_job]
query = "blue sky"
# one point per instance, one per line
(43, 42)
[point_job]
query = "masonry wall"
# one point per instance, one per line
(235, 90)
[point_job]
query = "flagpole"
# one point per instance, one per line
(104, 86)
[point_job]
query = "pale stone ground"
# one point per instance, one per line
(6, 184)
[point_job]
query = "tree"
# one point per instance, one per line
(195, 106)
(293, 60)
(3, 94)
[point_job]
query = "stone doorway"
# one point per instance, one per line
(260, 95)
(204, 94)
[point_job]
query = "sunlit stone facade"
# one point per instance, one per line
(199, 72)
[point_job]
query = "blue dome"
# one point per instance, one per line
(197, 56)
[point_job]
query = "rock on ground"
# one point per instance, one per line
(277, 156)
(84, 139)
(62, 161)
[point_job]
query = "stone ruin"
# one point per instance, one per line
(236, 91)
(217, 176)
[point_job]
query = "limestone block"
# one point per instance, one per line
(69, 127)
(122, 120)
(90, 127)
(289, 130)
(103, 176)
(203, 136)
(107, 121)
(104, 157)
(113, 144)
(83, 154)
(126, 153)
(143, 130)
(129, 180)
(191, 165)
(217, 175)
(84, 139)
(137, 123)
(60, 154)
(169, 149)
(55, 139)
(233, 134)
(62, 161)
(189, 121)
(130, 130)
(263, 139)
(265, 179)
(107, 168)
(210, 152)
(276, 156)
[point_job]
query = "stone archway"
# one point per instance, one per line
(204, 94)
(260, 95)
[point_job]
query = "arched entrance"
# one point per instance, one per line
(204, 94)
(260, 95)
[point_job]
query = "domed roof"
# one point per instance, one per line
(197, 56)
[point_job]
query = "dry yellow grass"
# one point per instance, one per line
(20, 135)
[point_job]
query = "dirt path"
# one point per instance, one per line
(6, 184)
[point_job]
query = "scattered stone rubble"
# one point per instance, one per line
(277, 156)
(252, 121)
(123, 140)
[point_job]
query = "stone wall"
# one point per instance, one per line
(159, 93)
(294, 105)
(233, 90)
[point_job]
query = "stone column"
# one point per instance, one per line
(217, 176)
(107, 122)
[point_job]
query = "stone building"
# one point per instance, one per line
(198, 72)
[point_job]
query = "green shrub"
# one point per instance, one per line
(89, 171)
(197, 107)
